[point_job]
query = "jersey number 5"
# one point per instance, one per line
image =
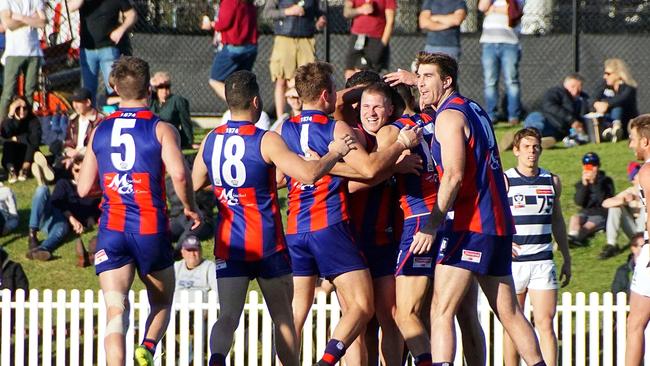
(119, 138)
(233, 151)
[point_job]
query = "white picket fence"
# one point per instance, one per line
(68, 330)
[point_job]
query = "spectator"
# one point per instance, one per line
(21, 19)
(59, 212)
(372, 27)
(2, 50)
(501, 55)
(616, 99)
(172, 108)
(235, 41)
(12, 276)
(441, 20)
(593, 188)
(100, 34)
(294, 25)
(22, 129)
(561, 115)
(8, 211)
(624, 212)
(194, 273)
(623, 277)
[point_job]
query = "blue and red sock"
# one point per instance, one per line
(423, 359)
(150, 345)
(334, 350)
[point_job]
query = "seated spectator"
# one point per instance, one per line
(22, 129)
(172, 108)
(59, 212)
(8, 211)
(193, 272)
(81, 125)
(623, 276)
(12, 276)
(561, 114)
(616, 99)
(624, 212)
(593, 188)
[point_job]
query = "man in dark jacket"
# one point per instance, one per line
(562, 110)
(623, 276)
(592, 189)
(12, 276)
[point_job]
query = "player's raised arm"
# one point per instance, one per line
(172, 157)
(89, 170)
(275, 150)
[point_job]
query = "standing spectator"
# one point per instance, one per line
(172, 108)
(501, 55)
(235, 41)
(59, 212)
(21, 20)
(294, 25)
(101, 32)
(441, 20)
(8, 211)
(22, 130)
(624, 212)
(372, 27)
(623, 276)
(193, 272)
(593, 188)
(616, 99)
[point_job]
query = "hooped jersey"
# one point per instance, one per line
(646, 235)
(372, 210)
(531, 201)
(418, 193)
(481, 204)
(322, 204)
(249, 224)
(131, 172)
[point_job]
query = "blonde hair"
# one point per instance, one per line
(620, 67)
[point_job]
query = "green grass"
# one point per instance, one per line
(589, 273)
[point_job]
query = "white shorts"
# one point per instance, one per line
(534, 275)
(641, 277)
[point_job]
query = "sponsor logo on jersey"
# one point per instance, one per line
(228, 197)
(122, 184)
(221, 264)
(544, 191)
(471, 256)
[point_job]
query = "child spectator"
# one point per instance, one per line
(592, 189)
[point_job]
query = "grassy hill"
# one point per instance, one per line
(589, 273)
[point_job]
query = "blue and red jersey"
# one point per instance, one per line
(322, 204)
(372, 210)
(418, 193)
(249, 224)
(131, 172)
(481, 204)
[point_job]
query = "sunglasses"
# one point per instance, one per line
(21, 107)
(163, 86)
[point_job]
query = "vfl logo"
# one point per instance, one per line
(122, 184)
(228, 197)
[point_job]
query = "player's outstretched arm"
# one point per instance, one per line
(200, 170)
(275, 150)
(368, 165)
(172, 156)
(558, 226)
(89, 170)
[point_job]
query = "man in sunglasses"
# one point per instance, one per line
(171, 108)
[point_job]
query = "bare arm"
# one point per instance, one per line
(388, 28)
(89, 170)
(130, 17)
(8, 22)
(200, 170)
(484, 5)
(36, 21)
(74, 5)
(436, 22)
(558, 226)
(621, 199)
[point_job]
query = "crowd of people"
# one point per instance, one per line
(394, 197)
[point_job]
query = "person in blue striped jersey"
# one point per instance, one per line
(534, 198)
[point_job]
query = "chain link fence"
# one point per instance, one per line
(167, 34)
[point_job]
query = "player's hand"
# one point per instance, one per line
(365, 9)
(565, 273)
(342, 145)
(401, 77)
(116, 35)
(77, 227)
(408, 163)
(194, 216)
(410, 136)
(294, 10)
(422, 242)
(515, 250)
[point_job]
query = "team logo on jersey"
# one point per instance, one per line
(122, 184)
(229, 197)
(443, 244)
(519, 201)
(471, 256)
(494, 160)
(220, 263)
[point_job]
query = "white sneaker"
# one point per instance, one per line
(40, 159)
(617, 132)
(607, 134)
(569, 142)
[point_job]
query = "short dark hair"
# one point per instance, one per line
(642, 125)
(312, 79)
(131, 77)
(447, 65)
(241, 87)
(575, 76)
(382, 88)
(363, 77)
(405, 93)
(526, 132)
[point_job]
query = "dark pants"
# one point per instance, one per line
(14, 154)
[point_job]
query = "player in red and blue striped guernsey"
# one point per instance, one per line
(477, 241)
(239, 160)
(318, 235)
(131, 150)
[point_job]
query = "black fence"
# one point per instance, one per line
(558, 37)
